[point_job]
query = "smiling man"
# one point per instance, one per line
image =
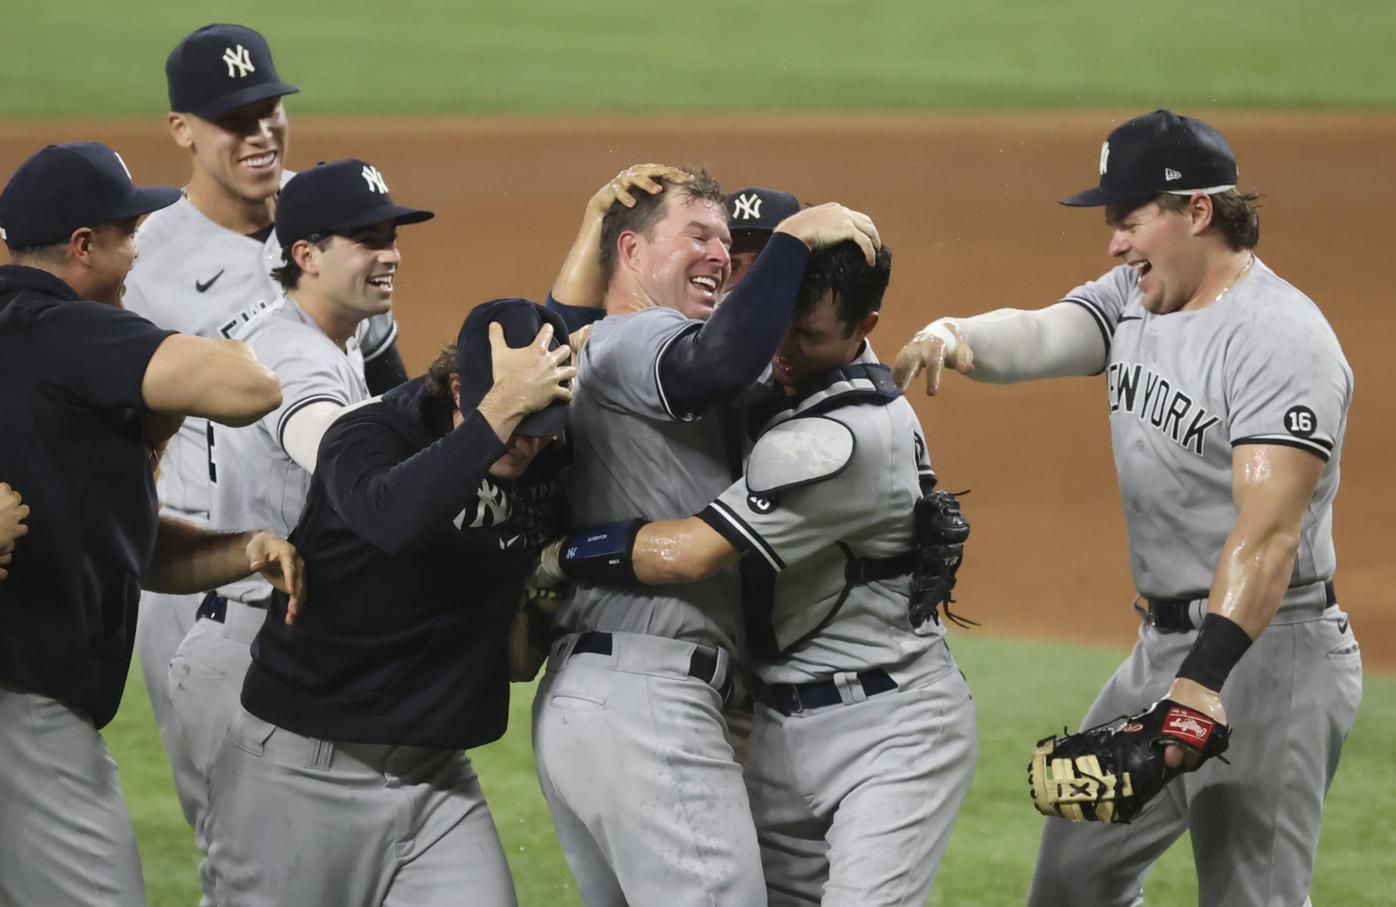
(863, 741)
(205, 266)
(1228, 397)
(649, 802)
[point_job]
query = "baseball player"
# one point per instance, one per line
(632, 755)
(864, 740)
(90, 392)
(1228, 397)
(338, 226)
(13, 513)
(205, 266)
(425, 515)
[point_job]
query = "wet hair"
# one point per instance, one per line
(843, 270)
(1235, 215)
(439, 374)
(289, 273)
(650, 209)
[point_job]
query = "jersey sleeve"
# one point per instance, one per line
(622, 365)
(309, 371)
(1105, 299)
(103, 354)
(1287, 383)
(792, 524)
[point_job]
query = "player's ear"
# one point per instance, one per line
(80, 244)
(303, 253)
(865, 327)
(627, 247)
(455, 389)
(178, 125)
(1200, 211)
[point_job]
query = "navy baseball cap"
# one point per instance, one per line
(63, 187)
(336, 197)
(521, 320)
(219, 68)
(759, 209)
(1160, 152)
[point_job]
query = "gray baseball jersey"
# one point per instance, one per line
(256, 482)
(1261, 366)
(634, 455)
(197, 277)
(807, 533)
(853, 800)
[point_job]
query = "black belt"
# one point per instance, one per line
(215, 607)
(1174, 615)
(702, 664)
(790, 698)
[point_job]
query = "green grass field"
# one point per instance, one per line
(559, 56)
(991, 852)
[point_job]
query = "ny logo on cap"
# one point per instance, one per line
(747, 207)
(1104, 156)
(1169, 174)
(374, 179)
(239, 62)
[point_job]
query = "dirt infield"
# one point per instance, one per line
(967, 203)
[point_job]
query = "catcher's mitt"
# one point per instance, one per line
(1108, 773)
(531, 634)
(941, 530)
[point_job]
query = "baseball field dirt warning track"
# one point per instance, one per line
(967, 203)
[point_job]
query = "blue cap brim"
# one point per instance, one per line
(546, 423)
(144, 200)
(249, 95)
(1094, 197)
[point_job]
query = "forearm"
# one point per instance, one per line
(715, 363)
(1252, 575)
(680, 551)
(1020, 345)
(579, 282)
(221, 380)
(189, 559)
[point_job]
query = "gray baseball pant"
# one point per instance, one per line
(65, 835)
(205, 688)
(854, 802)
(161, 625)
(297, 820)
(1255, 823)
(647, 798)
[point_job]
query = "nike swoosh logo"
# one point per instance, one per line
(1123, 318)
(505, 543)
(1343, 627)
(203, 286)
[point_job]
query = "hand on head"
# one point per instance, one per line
(830, 224)
(532, 376)
(621, 188)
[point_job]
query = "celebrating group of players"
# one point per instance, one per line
(686, 483)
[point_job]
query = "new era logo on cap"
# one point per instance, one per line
(1169, 174)
(239, 62)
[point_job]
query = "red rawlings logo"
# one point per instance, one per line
(1188, 726)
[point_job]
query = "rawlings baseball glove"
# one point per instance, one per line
(1108, 773)
(531, 633)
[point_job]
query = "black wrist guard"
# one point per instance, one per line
(1220, 644)
(601, 554)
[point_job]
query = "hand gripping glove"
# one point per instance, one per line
(1109, 772)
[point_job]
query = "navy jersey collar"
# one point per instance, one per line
(14, 278)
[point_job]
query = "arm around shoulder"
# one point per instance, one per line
(221, 380)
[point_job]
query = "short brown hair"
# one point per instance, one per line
(440, 371)
(649, 209)
(1234, 215)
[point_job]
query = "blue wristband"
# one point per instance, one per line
(601, 554)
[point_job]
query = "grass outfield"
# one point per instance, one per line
(560, 56)
(991, 852)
